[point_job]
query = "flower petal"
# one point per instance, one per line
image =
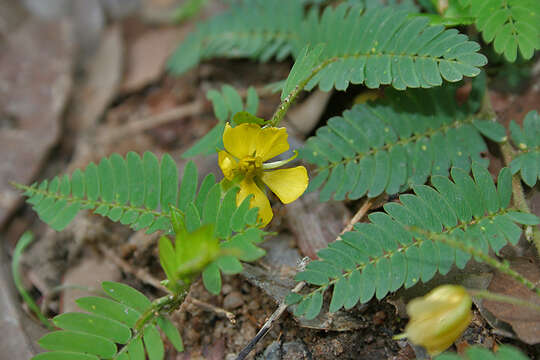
(248, 187)
(271, 142)
(249, 139)
(239, 141)
(227, 164)
(287, 184)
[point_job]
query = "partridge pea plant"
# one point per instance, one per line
(415, 142)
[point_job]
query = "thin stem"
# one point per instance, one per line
(165, 304)
(286, 103)
(484, 294)
(23, 242)
(503, 267)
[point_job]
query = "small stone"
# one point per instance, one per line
(295, 350)
(233, 300)
(272, 352)
(226, 289)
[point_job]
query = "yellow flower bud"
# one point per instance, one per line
(439, 318)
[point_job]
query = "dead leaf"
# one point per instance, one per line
(89, 273)
(314, 223)
(277, 286)
(524, 321)
(147, 56)
(35, 81)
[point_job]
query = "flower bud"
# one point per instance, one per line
(439, 318)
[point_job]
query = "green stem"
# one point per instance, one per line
(484, 294)
(23, 242)
(163, 305)
(286, 103)
(503, 267)
(160, 306)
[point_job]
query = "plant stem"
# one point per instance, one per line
(503, 267)
(165, 304)
(484, 294)
(286, 103)
(23, 242)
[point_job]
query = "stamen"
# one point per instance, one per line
(276, 164)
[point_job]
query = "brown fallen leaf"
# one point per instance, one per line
(89, 273)
(315, 224)
(524, 321)
(35, 81)
(147, 55)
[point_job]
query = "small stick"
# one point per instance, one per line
(209, 307)
(358, 216)
(137, 126)
(275, 315)
(140, 273)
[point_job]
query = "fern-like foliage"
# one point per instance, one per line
(385, 254)
(141, 193)
(135, 191)
(385, 47)
(504, 352)
(527, 141)
(510, 24)
(376, 47)
(391, 145)
(109, 329)
(228, 106)
(248, 29)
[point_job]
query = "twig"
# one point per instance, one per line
(275, 315)
(209, 307)
(268, 324)
(137, 126)
(140, 273)
(358, 216)
(503, 267)
(503, 298)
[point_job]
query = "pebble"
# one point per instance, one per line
(233, 300)
(293, 350)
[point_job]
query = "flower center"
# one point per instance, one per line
(249, 165)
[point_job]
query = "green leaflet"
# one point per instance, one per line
(387, 253)
(396, 50)
(134, 191)
(399, 141)
(111, 321)
(247, 29)
(509, 24)
(527, 142)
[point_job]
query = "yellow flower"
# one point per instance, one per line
(247, 147)
(439, 318)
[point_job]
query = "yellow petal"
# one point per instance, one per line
(227, 164)
(249, 140)
(287, 184)
(239, 141)
(271, 142)
(259, 199)
(438, 318)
